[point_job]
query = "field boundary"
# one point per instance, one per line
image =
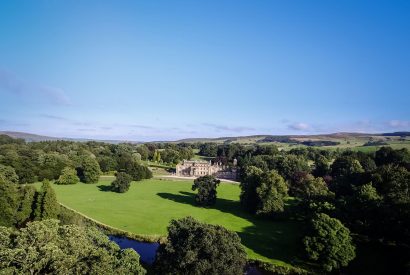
(110, 230)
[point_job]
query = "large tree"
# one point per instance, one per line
(329, 243)
(263, 193)
(89, 170)
(193, 248)
(68, 176)
(250, 181)
(8, 174)
(138, 171)
(47, 248)
(206, 187)
(122, 181)
(308, 187)
(291, 164)
(271, 193)
(346, 172)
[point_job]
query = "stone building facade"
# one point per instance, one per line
(198, 168)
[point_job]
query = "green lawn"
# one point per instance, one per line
(149, 205)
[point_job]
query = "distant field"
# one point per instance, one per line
(149, 205)
(347, 141)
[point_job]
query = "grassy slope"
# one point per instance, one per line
(149, 205)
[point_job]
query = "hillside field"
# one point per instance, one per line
(149, 205)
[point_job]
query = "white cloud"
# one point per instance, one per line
(399, 124)
(299, 126)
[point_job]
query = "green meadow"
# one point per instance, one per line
(149, 205)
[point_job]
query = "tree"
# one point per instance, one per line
(89, 170)
(362, 210)
(122, 181)
(25, 209)
(322, 167)
(329, 243)
(206, 186)
(68, 176)
(346, 172)
(386, 155)
(271, 192)
(263, 192)
(157, 156)
(143, 151)
(194, 248)
(393, 182)
(8, 203)
(47, 248)
(308, 187)
(138, 171)
(47, 206)
(107, 163)
(170, 156)
(8, 174)
(250, 181)
(51, 165)
(291, 164)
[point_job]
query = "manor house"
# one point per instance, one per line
(199, 168)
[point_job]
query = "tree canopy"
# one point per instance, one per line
(89, 170)
(68, 176)
(122, 181)
(329, 243)
(193, 248)
(45, 247)
(263, 193)
(206, 187)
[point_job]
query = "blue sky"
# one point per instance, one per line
(163, 70)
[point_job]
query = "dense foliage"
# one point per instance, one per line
(122, 181)
(329, 243)
(68, 176)
(47, 206)
(89, 170)
(197, 248)
(48, 248)
(263, 193)
(206, 186)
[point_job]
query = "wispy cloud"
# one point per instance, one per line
(48, 116)
(399, 124)
(299, 126)
(141, 126)
(15, 85)
(227, 128)
(12, 123)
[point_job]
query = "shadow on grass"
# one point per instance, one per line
(104, 188)
(279, 240)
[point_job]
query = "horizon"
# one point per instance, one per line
(16, 133)
(168, 71)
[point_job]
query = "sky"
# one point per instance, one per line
(166, 70)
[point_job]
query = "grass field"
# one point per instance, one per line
(149, 205)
